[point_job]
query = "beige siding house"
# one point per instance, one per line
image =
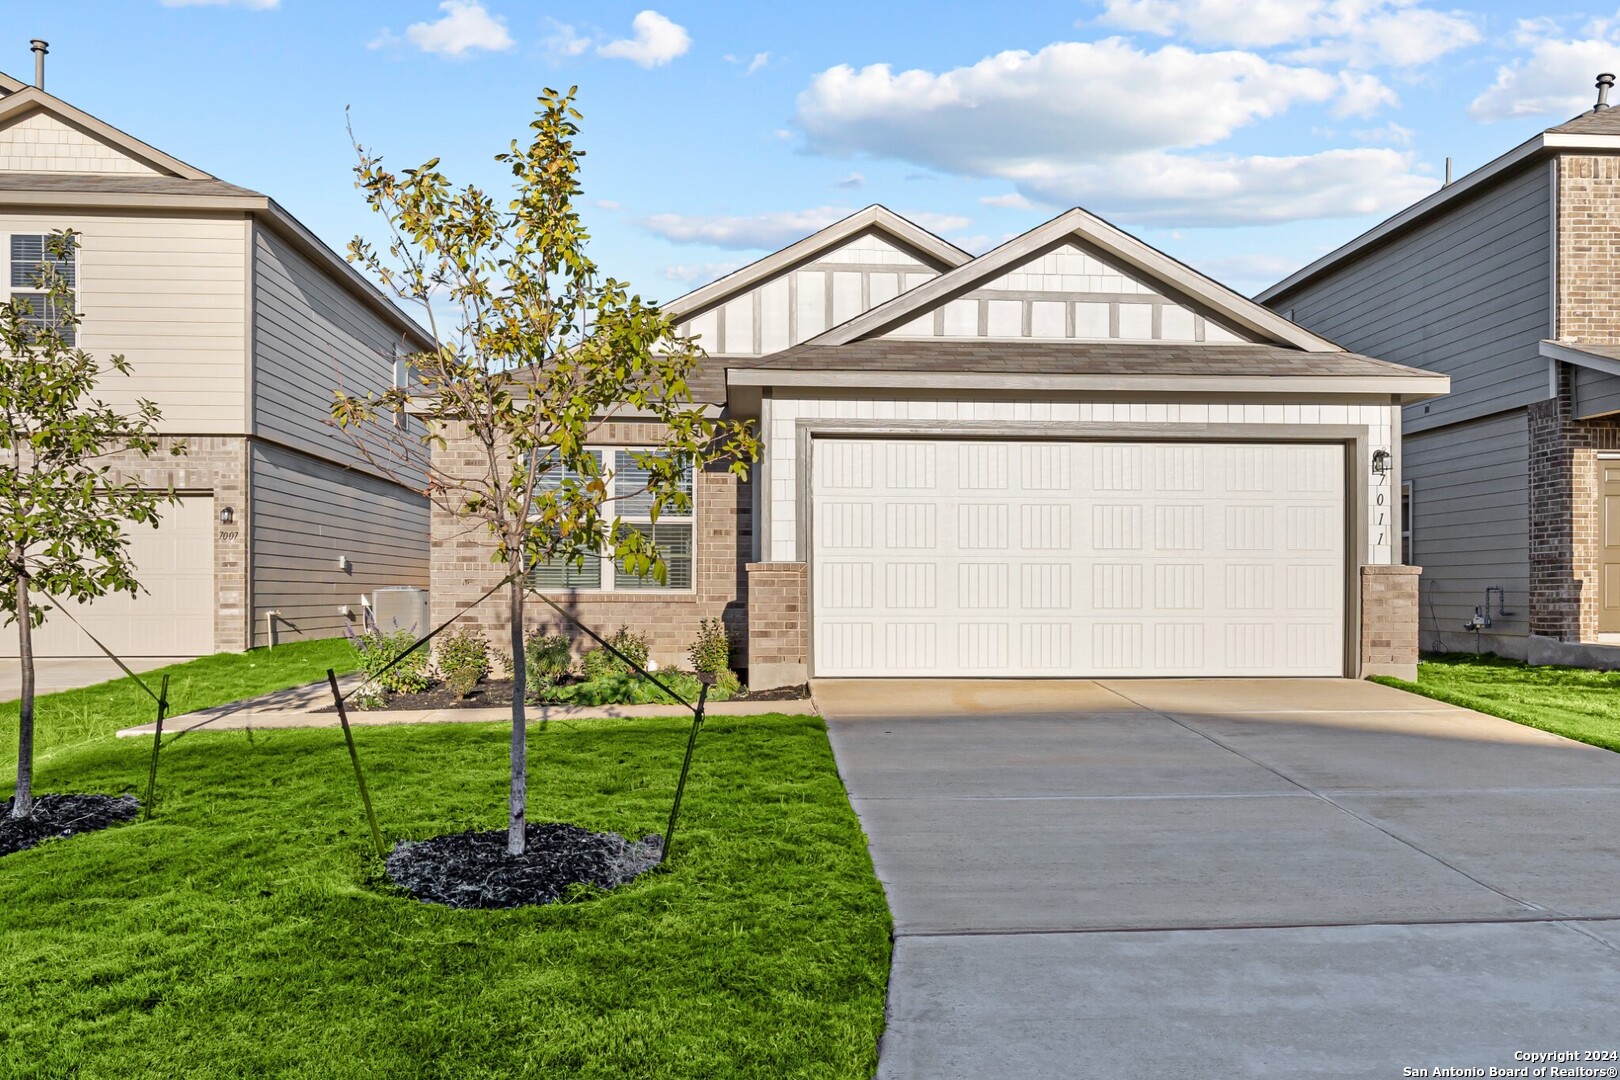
(238, 323)
(1069, 456)
(1505, 281)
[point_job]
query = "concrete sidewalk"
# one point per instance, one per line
(1303, 878)
(53, 675)
(300, 707)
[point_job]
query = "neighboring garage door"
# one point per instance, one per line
(174, 616)
(1000, 558)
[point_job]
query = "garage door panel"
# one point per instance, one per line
(174, 613)
(1053, 558)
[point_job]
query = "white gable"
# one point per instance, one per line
(1069, 292)
(40, 142)
(832, 287)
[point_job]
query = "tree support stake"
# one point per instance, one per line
(354, 758)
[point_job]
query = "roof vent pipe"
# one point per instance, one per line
(1605, 83)
(41, 48)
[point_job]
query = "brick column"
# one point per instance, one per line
(1389, 621)
(1565, 533)
(778, 625)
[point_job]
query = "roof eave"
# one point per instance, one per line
(1542, 145)
(1419, 386)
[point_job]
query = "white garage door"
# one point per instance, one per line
(174, 616)
(954, 558)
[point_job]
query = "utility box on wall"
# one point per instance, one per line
(402, 607)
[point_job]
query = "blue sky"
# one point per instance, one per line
(1245, 137)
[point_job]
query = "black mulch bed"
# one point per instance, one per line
(473, 870)
(57, 817)
(498, 693)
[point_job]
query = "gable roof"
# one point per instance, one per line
(9, 85)
(31, 99)
(874, 218)
(1118, 245)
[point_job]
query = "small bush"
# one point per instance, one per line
(620, 688)
(548, 656)
(377, 650)
(711, 652)
(599, 662)
(464, 660)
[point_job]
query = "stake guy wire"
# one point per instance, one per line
(691, 739)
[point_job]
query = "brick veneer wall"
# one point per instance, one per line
(216, 464)
(1565, 530)
(1588, 248)
(1389, 620)
(461, 570)
(778, 625)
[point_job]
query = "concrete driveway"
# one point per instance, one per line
(1197, 878)
(52, 675)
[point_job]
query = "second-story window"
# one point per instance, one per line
(34, 256)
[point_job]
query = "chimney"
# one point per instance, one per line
(41, 48)
(1605, 83)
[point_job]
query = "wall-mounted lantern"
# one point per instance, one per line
(1381, 461)
(226, 515)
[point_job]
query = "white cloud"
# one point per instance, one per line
(769, 230)
(1149, 119)
(1556, 78)
(563, 41)
(657, 41)
(759, 60)
(1391, 133)
(464, 27)
(697, 273)
(853, 180)
(251, 5)
(610, 204)
(1012, 201)
(1363, 33)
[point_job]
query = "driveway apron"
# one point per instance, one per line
(1200, 878)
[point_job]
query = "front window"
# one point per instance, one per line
(673, 533)
(33, 256)
(1406, 524)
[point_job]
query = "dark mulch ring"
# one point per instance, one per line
(472, 869)
(498, 692)
(57, 817)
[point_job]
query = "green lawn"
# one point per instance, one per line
(1573, 702)
(75, 718)
(247, 930)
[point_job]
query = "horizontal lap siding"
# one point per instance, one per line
(1471, 526)
(1596, 393)
(1466, 295)
(307, 513)
(169, 293)
(311, 336)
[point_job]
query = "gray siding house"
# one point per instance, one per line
(238, 322)
(1504, 280)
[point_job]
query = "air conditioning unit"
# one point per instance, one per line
(400, 607)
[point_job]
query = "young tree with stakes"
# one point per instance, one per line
(64, 509)
(533, 351)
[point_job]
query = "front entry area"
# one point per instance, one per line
(1060, 558)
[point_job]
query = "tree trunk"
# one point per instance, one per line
(23, 801)
(516, 841)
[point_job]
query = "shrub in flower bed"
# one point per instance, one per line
(621, 688)
(599, 662)
(464, 660)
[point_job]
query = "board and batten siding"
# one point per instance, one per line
(1597, 393)
(306, 514)
(1470, 525)
(310, 336)
(1466, 294)
(169, 293)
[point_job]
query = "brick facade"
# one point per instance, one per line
(1588, 249)
(1389, 620)
(778, 625)
(461, 570)
(1564, 525)
(217, 465)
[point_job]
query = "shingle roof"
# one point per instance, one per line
(1602, 122)
(95, 183)
(1070, 358)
